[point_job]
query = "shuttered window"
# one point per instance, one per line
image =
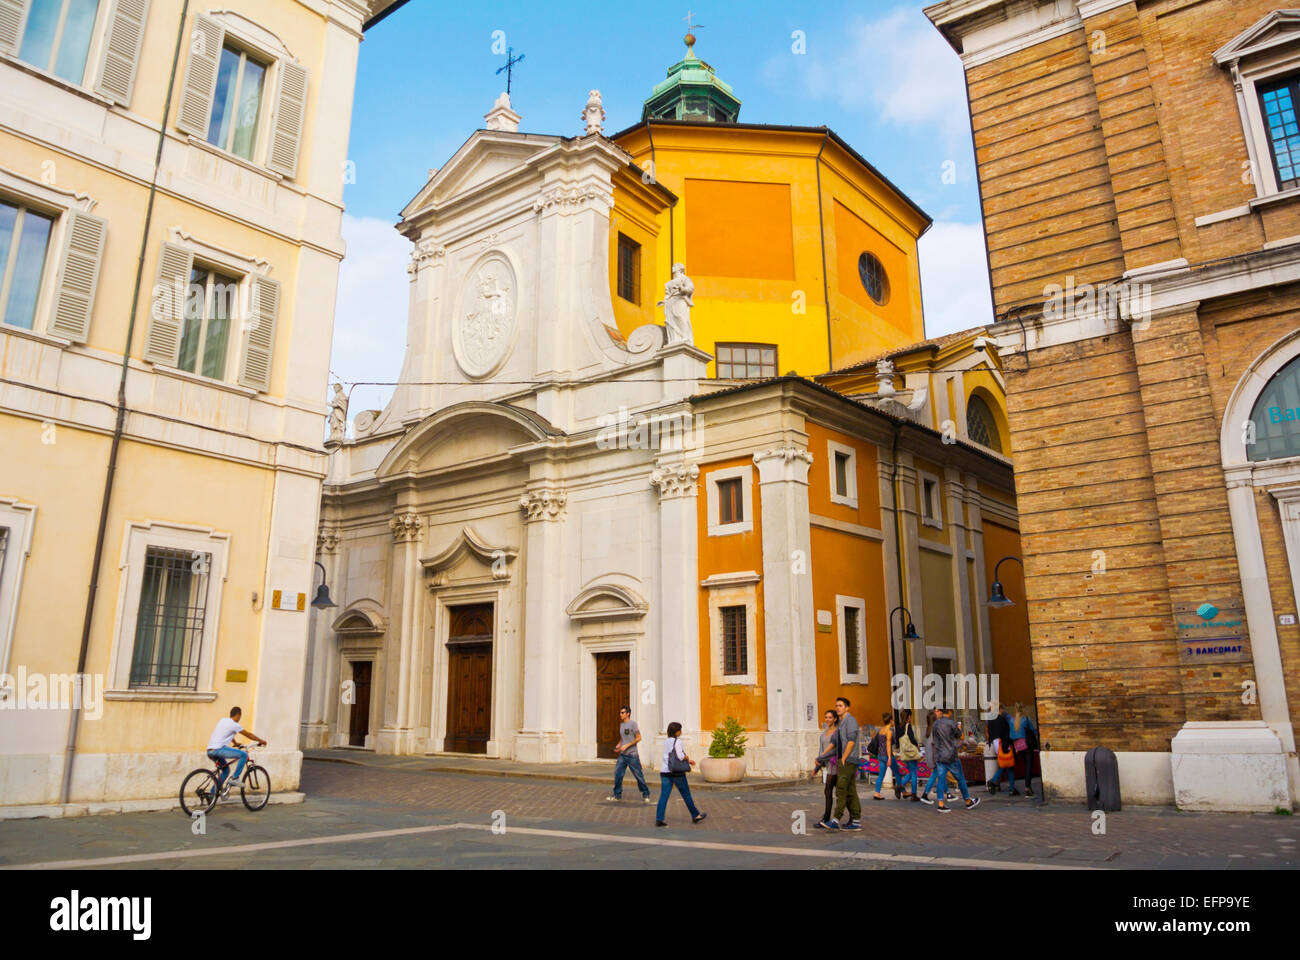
(236, 103)
(56, 35)
(122, 42)
(209, 309)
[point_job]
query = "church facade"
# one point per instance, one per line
(561, 512)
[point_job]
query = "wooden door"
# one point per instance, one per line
(469, 679)
(612, 693)
(359, 721)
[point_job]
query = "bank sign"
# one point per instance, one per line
(1211, 633)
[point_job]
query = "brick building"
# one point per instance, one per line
(1142, 213)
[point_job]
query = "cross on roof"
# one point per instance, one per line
(511, 60)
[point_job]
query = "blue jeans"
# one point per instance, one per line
(627, 762)
(892, 765)
(1011, 776)
(955, 769)
(666, 784)
(912, 768)
(229, 753)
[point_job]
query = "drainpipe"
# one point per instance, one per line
(74, 721)
(821, 230)
(898, 559)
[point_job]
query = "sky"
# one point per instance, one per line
(874, 71)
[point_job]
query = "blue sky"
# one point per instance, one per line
(875, 71)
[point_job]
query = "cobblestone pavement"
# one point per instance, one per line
(441, 819)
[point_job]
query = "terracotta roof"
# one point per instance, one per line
(935, 343)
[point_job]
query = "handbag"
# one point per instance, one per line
(676, 765)
(1006, 758)
(908, 749)
(1021, 744)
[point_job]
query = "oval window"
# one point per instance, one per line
(872, 273)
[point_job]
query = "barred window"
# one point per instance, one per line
(169, 628)
(852, 645)
(980, 425)
(735, 650)
(629, 269)
(746, 361)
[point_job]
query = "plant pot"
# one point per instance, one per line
(722, 769)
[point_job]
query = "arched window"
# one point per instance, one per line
(980, 425)
(1276, 417)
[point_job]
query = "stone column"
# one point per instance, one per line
(957, 498)
(396, 735)
(678, 682)
(788, 614)
(322, 651)
(545, 626)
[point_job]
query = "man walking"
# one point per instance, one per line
(844, 745)
(947, 735)
(629, 735)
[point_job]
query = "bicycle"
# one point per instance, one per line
(200, 793)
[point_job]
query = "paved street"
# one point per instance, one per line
(399, 813)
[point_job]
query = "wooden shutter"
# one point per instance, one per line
(122, 50)
(79, 276)
(13, 14)
(200, 76)
(259, 334)
(290, 108)
(162, 344)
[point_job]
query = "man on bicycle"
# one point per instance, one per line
(219, 747)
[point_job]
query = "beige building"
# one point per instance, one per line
(166, 303)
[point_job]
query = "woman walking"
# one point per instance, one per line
(997, 740)
(672, 773)
(1024, 738)
(885, 757)
(830, 770)
(909, 755)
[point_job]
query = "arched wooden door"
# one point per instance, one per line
(469, 679)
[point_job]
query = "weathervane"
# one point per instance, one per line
(511, 60)
(691, 28)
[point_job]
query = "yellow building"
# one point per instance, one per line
(804, 256)
(169, 272)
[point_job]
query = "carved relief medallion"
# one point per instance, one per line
(485, 317)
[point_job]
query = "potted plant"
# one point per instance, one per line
(726, 760)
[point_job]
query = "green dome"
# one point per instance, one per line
(692, 91)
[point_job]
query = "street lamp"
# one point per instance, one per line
(998, 599)
(909, 633)
(322, 600)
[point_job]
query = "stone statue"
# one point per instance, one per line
(679, 293)
(885, 378)
(594, 113)
(338, 415)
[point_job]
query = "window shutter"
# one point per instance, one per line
(290, 107)
(79, 277)
(122, 49)
(259, 334)
(162, 344)
(12, 15)
(200, 76)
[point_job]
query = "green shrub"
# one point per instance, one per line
(728, 739)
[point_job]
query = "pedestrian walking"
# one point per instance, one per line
(1024, 741)
(930, 717)
(673, 773)
(998, 734)
(826, 740)
(886, 760)
(909, 755)
(844, 747)
(947, 736)
(629, 735)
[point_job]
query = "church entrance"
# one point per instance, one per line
(359, 721)
(469, 679)
(612, 692)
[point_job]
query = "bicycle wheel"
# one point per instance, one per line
(198, 792)
(256, 788)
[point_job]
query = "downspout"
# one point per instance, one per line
(74, 721)
(821, 230)
(898, 559)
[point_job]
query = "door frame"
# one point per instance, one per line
(587, 705)
(343, 731)
(442, 601)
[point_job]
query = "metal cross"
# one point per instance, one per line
(691, 27)
(511, 60)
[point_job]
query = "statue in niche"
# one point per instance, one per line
(679, 294)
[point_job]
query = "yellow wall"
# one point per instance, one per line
(635, 214)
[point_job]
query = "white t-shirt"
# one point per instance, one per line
(669, 745)
(223, 733)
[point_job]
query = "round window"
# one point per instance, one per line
(872, 273)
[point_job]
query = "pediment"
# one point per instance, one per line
(607, 601)
(470, 557)
(1278, 29)
(464, 433)
(364, 618)
(486, 156)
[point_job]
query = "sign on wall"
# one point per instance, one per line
(1211, 632)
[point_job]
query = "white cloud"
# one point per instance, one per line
(954, 278)
(370, 318)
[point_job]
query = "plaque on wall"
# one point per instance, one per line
(1211, 632)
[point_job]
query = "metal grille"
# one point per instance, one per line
(735, 651)
(629, 269)
(169, 627)
(852, 651)
(980, 426)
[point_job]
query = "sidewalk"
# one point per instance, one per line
(594, 771)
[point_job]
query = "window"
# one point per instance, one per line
(237, 103)
(24, 243)
(851, 613)
(57, 36)
(1276, 416)
(980, 425)
(1278, 101)
(852, 650)
(872, 274)
(209, 309)
(746, 361)
(169, 626)
(629, 269)
(844, 473)
(16, 524)
(735, 647)
(930, 491)
(731, 508)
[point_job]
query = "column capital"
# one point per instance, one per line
(545, 503)
(406, 527)
(676, 480)
(779, 464)
(327, 540)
